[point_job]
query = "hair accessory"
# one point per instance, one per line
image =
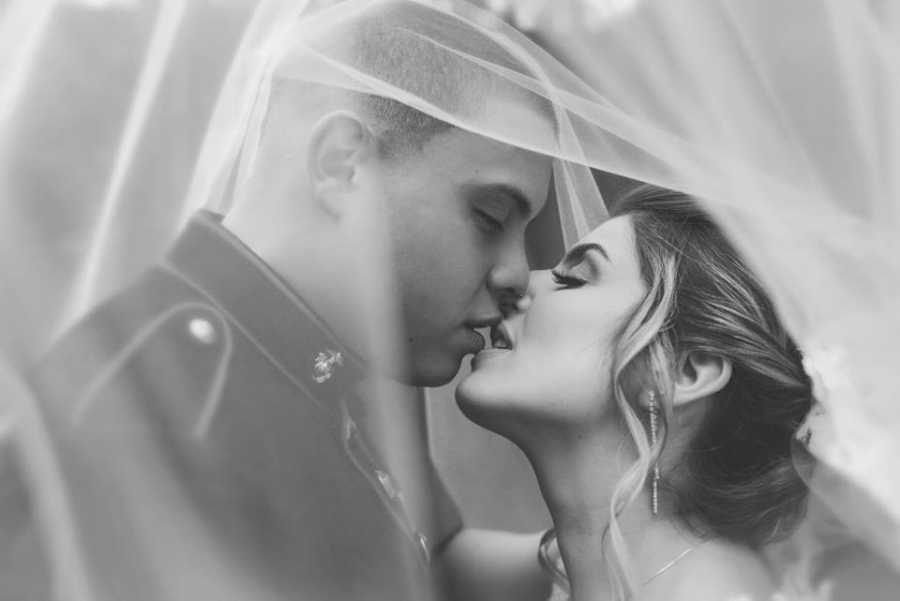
(653, 409)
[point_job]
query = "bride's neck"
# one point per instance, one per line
(578, 481)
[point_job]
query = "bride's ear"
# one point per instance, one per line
(700, 375)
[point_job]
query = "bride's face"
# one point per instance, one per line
(557, 370)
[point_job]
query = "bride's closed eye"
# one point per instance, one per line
(579, 267)
(567, 280)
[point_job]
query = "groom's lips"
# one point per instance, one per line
(475, 342)
(502, 342)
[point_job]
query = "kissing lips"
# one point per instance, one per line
(475, 342)
(501, 343)
(500, 338)
(476, 338)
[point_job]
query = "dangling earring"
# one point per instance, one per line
(653, 408)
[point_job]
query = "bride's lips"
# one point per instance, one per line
(501, 338)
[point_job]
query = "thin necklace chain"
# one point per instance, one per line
(680, 556)
(560, 576)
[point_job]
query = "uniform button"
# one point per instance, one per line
(424, 546)
(386, 483)
(202, 330)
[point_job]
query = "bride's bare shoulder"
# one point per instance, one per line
(715, 571)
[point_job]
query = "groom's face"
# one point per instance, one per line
(458, 212)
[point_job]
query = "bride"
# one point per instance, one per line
(657, 396)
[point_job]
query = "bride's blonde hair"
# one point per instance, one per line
(736, 479)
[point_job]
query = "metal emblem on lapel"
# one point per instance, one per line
(325, 364)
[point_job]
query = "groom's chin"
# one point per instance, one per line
(432, 371)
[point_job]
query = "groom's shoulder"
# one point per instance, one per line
(150, 305)
(157, 325)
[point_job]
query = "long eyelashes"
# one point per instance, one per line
(566, 281)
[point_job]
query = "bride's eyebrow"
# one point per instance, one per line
(578, 252)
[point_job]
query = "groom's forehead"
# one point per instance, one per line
(475, 161)
(520, 122)
(502, 126)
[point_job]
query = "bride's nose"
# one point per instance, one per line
(538, 281)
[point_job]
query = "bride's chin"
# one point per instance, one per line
(467, 395)
(485, 400)
(475, 399)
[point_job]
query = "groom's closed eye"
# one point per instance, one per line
(510, 198)
(492, 211)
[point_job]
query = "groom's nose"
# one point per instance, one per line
(508, 279)
(536, 280)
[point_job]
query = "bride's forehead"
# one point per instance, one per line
(614, 233)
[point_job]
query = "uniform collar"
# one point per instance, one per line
(216, 262)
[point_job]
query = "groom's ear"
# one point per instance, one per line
(700, 375)
(340, 143)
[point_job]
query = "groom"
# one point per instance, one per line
(226, 386)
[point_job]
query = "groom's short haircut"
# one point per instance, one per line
(407, 46)
(386, 47)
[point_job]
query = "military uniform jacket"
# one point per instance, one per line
(201, 449)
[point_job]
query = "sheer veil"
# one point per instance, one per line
(119, 118)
